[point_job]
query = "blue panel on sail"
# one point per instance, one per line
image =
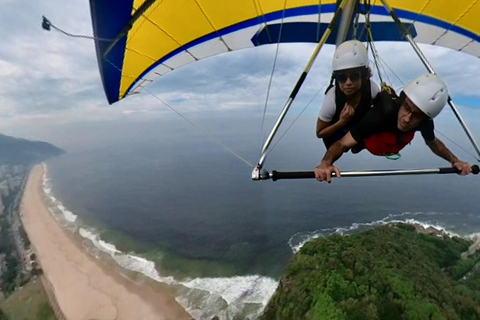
(312, 32)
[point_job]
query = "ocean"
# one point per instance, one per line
(160, 198)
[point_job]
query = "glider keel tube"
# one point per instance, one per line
(275, 175)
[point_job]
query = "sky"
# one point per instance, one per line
(50, 81)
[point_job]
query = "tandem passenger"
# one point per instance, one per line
(391, 124)
(351, 97)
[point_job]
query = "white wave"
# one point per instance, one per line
(87, 234)
(252, 289)
(45, 179)
(67, 214)
(227, 297)
(407, 213)
(97, 242)
(434, 224)
(473, 236)
(126, 261)
(143, 266)
(57, 205)
(299, 239)
(45, 170)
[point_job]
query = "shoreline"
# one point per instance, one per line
(84, 287)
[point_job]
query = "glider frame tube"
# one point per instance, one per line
(275, 175)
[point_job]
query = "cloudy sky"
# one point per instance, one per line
(48, 79)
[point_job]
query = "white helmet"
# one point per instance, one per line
(350, 54)
(429, 93)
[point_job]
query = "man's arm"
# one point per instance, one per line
(323, 172)
(439, 148)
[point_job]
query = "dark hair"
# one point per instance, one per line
(401, 98)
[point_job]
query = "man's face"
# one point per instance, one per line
(409, 116)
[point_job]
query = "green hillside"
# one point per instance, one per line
(389, 272)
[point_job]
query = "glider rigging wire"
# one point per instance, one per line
(46, 24)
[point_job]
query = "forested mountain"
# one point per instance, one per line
(389, 272)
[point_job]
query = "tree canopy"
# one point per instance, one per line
(389, 272)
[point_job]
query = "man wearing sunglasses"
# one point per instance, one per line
(350, 97)
(391, 124)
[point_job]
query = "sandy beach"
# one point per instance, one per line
(86, 288)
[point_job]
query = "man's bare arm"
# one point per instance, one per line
(338, 148)
(439, 148)
(323, 172)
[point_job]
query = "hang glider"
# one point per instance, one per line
(149, 38)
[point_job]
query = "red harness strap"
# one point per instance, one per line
(385, 143)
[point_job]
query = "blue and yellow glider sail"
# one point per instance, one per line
(150, 38)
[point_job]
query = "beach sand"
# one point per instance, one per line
(83, 287)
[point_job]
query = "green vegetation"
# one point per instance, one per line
(10, 275)
(27, 303)
(390, 272)
(8, 278)
(3, 316)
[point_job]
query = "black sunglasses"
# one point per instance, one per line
(353, 76)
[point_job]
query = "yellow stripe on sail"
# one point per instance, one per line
(170, 24)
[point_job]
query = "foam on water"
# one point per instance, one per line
(126, 261)
(56, 206)
(473, 236)
(243, 296)
(97, 242)
(253, 289)
(297, 241)
(68, 215)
